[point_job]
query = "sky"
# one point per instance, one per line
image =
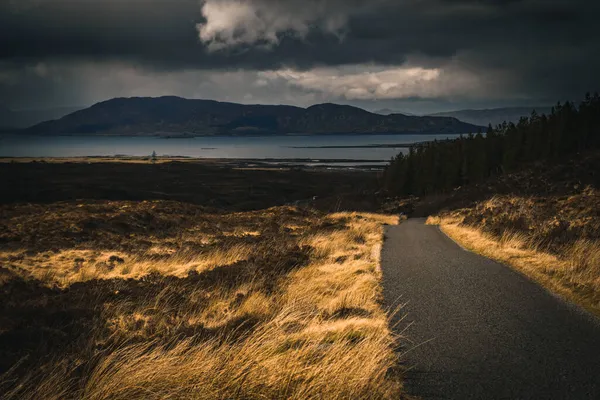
(417, 56)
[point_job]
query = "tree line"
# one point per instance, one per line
(440, 166)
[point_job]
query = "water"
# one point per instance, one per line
(280, 147)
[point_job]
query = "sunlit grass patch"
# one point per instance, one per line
(571, 269)
(280, 303)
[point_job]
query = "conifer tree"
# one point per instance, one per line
(440, 166)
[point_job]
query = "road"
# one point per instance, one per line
(479, 330)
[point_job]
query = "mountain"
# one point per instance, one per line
(24, 118)
(175, 115)
(493, 116)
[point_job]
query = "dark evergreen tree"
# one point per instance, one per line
(440, 166)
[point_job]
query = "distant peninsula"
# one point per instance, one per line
(175, 116)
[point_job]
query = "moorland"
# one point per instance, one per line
(182, 280)
(188, 279)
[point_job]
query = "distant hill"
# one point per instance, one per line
(493, 116)
(175, 115)
(387, 111)
(11, 119)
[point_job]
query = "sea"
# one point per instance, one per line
(330, 149)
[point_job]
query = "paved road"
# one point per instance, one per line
(480, 330)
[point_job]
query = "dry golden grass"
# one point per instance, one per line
(66, 267)
(276, 304)
(573, 271)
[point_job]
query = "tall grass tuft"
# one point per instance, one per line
(277, 314)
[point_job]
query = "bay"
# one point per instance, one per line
(333, 147)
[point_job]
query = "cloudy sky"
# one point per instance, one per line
(412, 55)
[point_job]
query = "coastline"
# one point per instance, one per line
(237, 163)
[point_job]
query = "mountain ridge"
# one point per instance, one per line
(493, 116)
(198, 117)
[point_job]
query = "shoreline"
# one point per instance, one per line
(167, 135)
(243, 163)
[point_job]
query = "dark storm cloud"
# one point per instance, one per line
(545, 49)
(148, 30)
(163, 32)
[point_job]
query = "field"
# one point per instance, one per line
(207, 184)
(242, 284)
(544, 221)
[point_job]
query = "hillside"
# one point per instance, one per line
(174, 115)
(493, 116)
(526, 195)
(542, 219)
(442, 166)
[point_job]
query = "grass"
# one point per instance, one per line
(554, 239)
(218, 185)
(166, 300)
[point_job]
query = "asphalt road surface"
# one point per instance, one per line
(479, 330)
